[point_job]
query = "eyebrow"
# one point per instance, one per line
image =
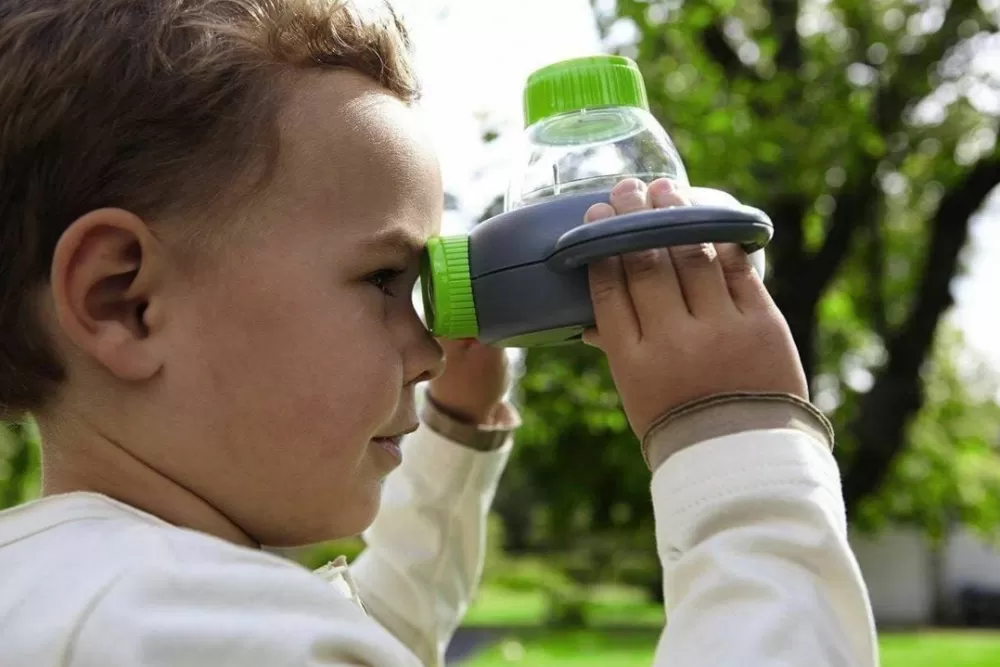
(395, 240)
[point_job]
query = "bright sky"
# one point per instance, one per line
(475, 57)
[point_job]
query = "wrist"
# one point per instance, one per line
(486, 433)
(728, 413)
(473, 416)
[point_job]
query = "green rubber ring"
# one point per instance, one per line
(446, 285)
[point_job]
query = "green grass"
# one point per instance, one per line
(941, 649)
(609, 605)
(580, 649)
(616, 606)
(507, 608)
(592, 648)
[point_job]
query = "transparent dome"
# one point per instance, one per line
(591, 150)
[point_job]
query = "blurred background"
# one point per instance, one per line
(868, 130)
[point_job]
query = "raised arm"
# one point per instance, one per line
(425, 551)
(752, 536)
(750, 520)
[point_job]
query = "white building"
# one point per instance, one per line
(904, 574)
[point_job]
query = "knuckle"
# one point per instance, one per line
(694, 256)
(735, 261)
(642, 263)
(766, 328)
(603, 290)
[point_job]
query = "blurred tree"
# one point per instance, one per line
(868, 131)
(950, 472)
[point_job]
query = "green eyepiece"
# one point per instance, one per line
(446, 285)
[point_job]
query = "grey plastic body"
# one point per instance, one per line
(529, 265)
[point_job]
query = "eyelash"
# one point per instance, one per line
(384, 278)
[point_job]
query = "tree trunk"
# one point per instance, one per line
(897, 394)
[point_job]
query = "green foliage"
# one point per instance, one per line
(318, 555)
(20, 463)
(951, 471)
(575, 448)
(810, 117)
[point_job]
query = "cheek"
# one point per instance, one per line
(316, 366)
(402, 321)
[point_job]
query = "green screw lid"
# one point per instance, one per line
(446, 283)
(583, 83)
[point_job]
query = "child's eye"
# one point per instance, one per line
(385, 279)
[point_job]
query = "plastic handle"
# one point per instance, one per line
(660, 228)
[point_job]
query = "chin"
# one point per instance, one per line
(321, 526)
(356, 520)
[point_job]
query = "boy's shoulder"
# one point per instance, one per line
(69, 559)
(78, 529)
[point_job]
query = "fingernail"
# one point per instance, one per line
(662, 193)
(628, 186)
(599, 212)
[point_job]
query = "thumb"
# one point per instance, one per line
(592, 338)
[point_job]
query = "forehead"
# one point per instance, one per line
(355, 155)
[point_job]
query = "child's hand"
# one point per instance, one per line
(473, 383)
(686, 324)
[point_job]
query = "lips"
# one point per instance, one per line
(391, 443)
(398, 436)
(390, 446)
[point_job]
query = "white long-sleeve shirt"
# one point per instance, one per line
(750, 531)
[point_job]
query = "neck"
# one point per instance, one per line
(90, 461)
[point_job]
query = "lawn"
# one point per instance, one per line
(592, 648)
(617, 607)
(609, 605)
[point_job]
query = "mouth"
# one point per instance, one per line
(398, 436)
(391, 443)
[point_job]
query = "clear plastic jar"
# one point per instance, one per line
(588, 128)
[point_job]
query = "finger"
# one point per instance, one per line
(592, 338)
(652, 281)
(599, 212)
(613, 312)
(745, 286)
(629, 196)
(664, 193)
(699, 272)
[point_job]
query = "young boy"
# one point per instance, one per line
(212, 216)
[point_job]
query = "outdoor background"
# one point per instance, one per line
(867, 129)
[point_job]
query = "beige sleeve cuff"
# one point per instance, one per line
(480, 437)
(725, 414)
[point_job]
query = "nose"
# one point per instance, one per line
(426, 358)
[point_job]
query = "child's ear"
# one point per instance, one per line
(107, 271)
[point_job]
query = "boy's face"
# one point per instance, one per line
(298, 347)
